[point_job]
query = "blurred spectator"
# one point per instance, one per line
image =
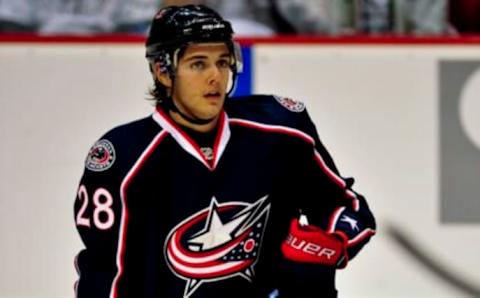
(248, 17)
(93, 16)
(465, 15)
(317, 16)
(421, 17)
(17, 16)
(374, 16)
(418, 17)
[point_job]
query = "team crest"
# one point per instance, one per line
(101, 156)
(219, 242)
(290, 104)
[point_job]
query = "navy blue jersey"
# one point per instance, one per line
(162, 217)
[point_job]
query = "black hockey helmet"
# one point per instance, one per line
(175, 27)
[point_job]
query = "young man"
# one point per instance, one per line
(204, 197)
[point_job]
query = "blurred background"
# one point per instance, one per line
(392, 85)
(250, 17)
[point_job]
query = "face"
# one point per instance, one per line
(201, 80)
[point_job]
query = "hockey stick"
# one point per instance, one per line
(420, 255)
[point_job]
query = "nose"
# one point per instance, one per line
(214, 75)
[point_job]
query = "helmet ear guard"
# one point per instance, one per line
(164, 60)
(236, 66)
(237, 55)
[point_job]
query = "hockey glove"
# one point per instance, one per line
(354, 227)
(310, 244)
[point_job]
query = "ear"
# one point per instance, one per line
(162, 77)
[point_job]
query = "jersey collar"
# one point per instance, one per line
(189, 145)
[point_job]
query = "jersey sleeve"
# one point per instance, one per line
(320, 192)
(331, 203)
(97, 212)
(350, 216)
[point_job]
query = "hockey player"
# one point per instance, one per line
(210, 196)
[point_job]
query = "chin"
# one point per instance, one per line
(211, 113)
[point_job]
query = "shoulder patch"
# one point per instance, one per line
(290, 104)
(101, 156)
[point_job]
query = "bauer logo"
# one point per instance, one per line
(101, 156)
(459, 141)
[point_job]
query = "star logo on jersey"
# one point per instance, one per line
(352, 222)
(219, 242)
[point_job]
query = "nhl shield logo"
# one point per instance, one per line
(219, 242)
(290, 104)
(101, 156)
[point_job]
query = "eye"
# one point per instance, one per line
(197, 65)
(223, 63)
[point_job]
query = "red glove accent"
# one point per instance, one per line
(310, 244)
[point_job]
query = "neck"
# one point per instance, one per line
(204, 127)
